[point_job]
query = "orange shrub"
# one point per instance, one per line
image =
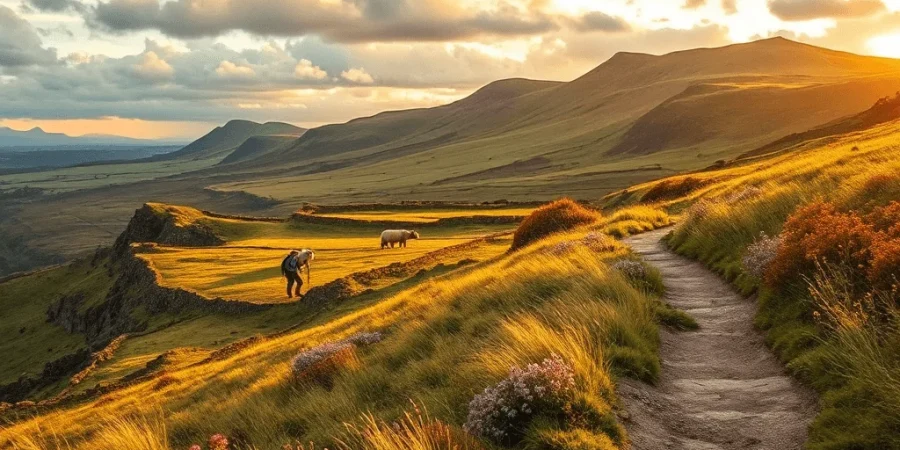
(820, 234)
(887, 219)
(561, 215)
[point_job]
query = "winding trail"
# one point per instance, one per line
(720, 386)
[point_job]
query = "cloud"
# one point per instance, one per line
(599, 21)
(799, 10)
(694, 4)
(55, 5)
(358, 76)
(20, 44)
(60, 29)
(230, 70)
(344, 21)
(153, 68)
(729, 7)
(306, 70)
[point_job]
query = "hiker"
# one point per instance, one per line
(391, 237)
(292, 269)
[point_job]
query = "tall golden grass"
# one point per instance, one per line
(850, 358)
(446, 340)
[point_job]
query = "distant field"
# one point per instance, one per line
(100, 175)
(425, 216)
(248, 267)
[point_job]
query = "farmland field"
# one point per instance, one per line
(427, 215)
(247, 268)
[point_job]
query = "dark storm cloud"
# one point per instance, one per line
(799, 10)
(20, 44)
(350, 21)
(598, 21)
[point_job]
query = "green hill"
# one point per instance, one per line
(635, 117)
(222, 140)
(257, 146)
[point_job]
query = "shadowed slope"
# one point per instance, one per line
(225, 138)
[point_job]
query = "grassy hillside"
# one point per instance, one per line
(257, 146)
(517, 137)
(632, 119)
(247, 266)
(813, 232)
(559, 296)
(222, 140)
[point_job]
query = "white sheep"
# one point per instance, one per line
(391, 237)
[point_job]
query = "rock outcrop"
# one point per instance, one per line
(166, 226)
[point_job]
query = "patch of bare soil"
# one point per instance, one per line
(720, 387)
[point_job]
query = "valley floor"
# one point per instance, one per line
(720, 387)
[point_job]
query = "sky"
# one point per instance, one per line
(177, 68)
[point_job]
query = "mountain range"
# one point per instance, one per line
(37, 137)
(634, 117)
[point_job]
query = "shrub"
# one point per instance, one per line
(879, 189)
(671, 189)
(319, 365)
(501, 413)
(760, 254)
(563, 247)
(631, 269)
(364, 338)
(560, 215)
(697, 212)
(218, 441)
(820, 234)
(601, 242)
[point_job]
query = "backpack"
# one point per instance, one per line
(284, 263)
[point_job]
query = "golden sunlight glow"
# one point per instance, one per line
(134, 128)
(887, 45)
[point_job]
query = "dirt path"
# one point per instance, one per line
(720, 387)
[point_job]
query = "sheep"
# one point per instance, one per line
(391, 237)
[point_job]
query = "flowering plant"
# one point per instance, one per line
(760, 254)
(502, 412)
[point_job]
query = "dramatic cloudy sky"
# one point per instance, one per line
(174, 68)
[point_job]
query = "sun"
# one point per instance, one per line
(885, 45)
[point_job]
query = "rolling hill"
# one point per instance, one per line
(37, 137)
(225, 139)
(634, 118)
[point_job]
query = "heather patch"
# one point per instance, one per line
(501, 412)
(760, 254)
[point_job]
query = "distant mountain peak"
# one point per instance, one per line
(240, 123)
(506, 89)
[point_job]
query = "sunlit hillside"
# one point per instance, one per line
(813, 232)
(243, 268)
(634, 118)
(559, 296)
